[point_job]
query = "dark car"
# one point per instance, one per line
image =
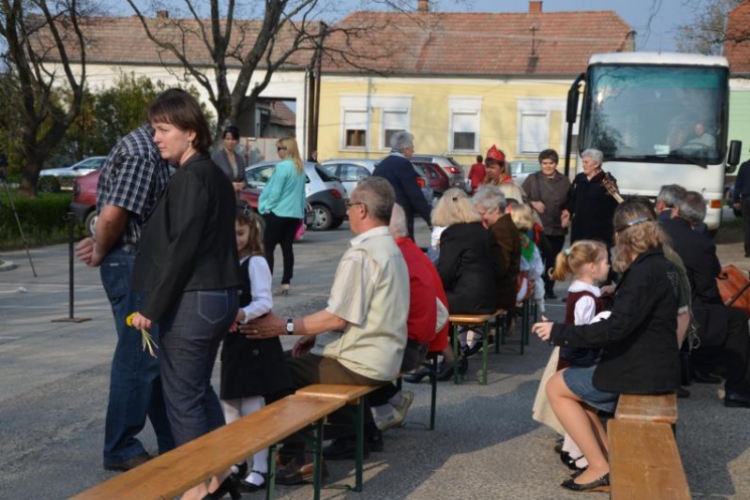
(439, 180)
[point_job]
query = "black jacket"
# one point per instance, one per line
(400, 173)
(188, 242)
(698, 253)
(466, 269)
(591, 208)
(640, 354)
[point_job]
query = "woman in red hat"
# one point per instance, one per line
(495, 165)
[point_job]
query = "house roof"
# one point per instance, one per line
(481, 44)
(737, 46)
(282, 115)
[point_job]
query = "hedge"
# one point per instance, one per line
(42, 219)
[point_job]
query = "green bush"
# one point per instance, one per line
(42, 219)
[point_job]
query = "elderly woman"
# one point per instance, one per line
(641, 354)
(465, 262)
(187, 261)
(282, 204)
(231, 162)
(398, 170)
(589, 207)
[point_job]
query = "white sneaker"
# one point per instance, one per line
(407, 398)
(389, 420)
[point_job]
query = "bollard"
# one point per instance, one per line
(70, 217)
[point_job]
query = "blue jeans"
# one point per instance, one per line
(191, 335)
(135, 389)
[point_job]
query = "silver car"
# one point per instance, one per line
(351, 170)
(520, 170)
(325, 194)
(64, 175)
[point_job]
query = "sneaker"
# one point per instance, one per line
(407, 398)
(389, 420)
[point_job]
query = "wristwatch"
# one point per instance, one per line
(290, 326)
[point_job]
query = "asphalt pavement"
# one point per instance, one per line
(486, 446)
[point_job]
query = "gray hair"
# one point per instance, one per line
(398, 225)
(692, 207)
(594, 154)
(490, 197)
(401, 140)
(377, 195)
(671, 194)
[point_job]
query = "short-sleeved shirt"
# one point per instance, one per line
(371, 292)
(133, 177)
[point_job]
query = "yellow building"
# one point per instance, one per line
(458, 86)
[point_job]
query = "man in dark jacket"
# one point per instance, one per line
(742, 200)
(723, 331)
(398, 170)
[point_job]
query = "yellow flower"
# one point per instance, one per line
(146, 339)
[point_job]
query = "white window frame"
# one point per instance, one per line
(384, 146)
(537, 106)
(545, 115)
(364, 102)
(344, 146)
(465, 106)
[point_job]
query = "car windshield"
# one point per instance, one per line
(667, 114)
(324, 176)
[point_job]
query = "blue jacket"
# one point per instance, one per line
(284, 193)
(400, 173)
(742, 182)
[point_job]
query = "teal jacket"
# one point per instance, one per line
(284, 193)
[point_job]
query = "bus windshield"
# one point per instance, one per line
(663, 114)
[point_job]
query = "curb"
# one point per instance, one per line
(6, 265)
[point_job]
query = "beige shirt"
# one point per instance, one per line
(371, 292)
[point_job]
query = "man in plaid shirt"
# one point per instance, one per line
(131, 182)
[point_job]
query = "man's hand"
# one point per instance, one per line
(265, 327)
(303, 345)
(538, 206)
(87, 252)
(565, 218)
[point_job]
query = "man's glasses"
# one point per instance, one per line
(350, 205)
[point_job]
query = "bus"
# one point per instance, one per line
(658, 118)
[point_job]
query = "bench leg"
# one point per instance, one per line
(524, 321)
(485, 349)
(360, 450)
(317, 458)
(271, 481)
(433, 383)
(498, 319)
(456, 353)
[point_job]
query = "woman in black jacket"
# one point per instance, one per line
(639, 341)
(187, 261)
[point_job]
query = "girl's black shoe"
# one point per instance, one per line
(601, 484)
(230, 485)
(248, 487)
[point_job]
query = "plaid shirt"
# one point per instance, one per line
(133, 177)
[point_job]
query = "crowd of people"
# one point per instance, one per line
(195, 267)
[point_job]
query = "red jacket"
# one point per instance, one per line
(476, 175)
(420, 323)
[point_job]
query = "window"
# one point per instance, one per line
(464, 124)
(355, 128)
(352, 173)
(393, 121)
(258, 177)
(534, 132)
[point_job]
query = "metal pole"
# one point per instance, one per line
(70, 217)
(20, 229)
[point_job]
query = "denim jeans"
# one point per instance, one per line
(135, 389)
(191, 335)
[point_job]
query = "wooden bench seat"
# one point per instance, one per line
(647, 408)
(173, 473)
(644, 462)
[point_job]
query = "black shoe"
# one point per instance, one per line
(463, 366)
(374, 440)
(230, 485)
(737, 399)
(705, 377)
(416, 376)
(475, 348)
(344, 449)
(248, 487)
(445, 372)
(550, 295)
(682, 393)
(569, 461)
(295, 473)
(130, 463)
(601, 484)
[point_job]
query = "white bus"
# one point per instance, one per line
(659, 119)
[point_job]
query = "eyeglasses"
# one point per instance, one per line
(280, 149)
(350, 205)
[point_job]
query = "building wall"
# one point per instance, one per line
(431, 102)
(739, 114)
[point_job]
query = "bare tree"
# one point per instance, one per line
(40, 38)
(707, 31)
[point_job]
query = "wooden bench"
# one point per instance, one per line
(644, 461)
(482, 320)
(179, 470)
(656, 408)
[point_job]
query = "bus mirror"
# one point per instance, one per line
(733, 158)
(571, 112)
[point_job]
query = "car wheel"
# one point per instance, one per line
(90, 222)
(323, 218)
(48, 184)
(336, 223)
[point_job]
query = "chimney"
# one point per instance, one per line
(423, 6)
(535, 7)
(162, 14)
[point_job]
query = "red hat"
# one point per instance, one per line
(495, 154)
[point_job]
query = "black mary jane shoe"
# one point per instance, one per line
(578, 472)
(230, 485)
(601, 484)
(569, 461)
(248, 487)
(416, 376)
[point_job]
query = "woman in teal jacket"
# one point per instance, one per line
(282, 204)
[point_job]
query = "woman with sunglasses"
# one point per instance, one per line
(282, 204)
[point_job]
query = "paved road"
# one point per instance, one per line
(54, 389)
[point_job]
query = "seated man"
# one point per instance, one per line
(702, 140)
(723, 331)
(666, 200)
(360, 337)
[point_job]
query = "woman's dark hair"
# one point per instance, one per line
(177, 107)
(232, 130)
(549, 154)
(479, 159)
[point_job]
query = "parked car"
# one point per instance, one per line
(325, 194)
(439, 180)
(251, 195)
(519, 170)
(63, 177)
(451, 167)
(351, 170)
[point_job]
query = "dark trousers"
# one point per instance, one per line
(280, 231)
(733, 354)
(414, 354)
(190, 341)
(745, 207)
(555, 246)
